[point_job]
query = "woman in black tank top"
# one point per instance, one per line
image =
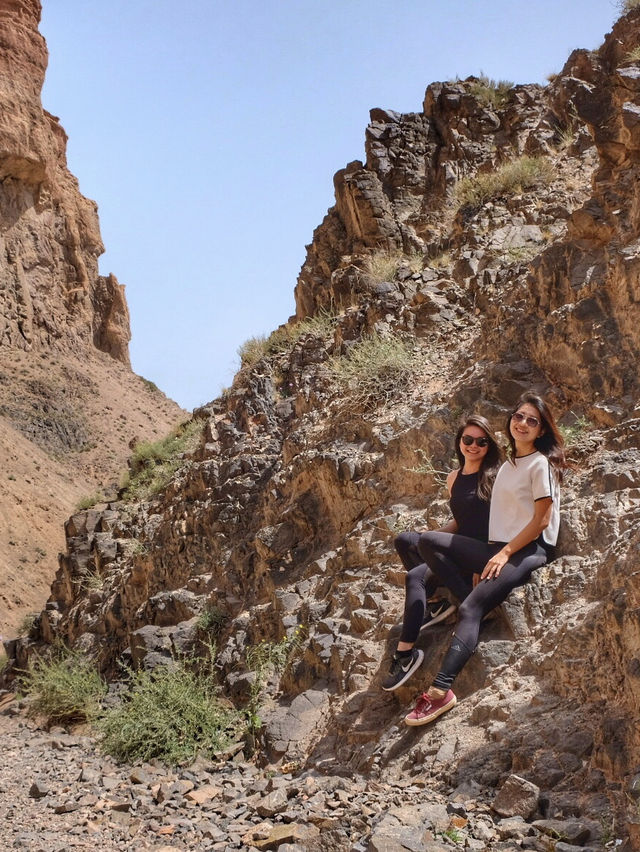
(469, 488)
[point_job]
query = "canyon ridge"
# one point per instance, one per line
(489, 243)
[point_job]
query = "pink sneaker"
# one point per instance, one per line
(427, 709)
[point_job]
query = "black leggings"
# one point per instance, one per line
(454, 559)
(420, 584)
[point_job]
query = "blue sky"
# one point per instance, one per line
(209, 131)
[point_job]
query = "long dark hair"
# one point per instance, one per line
(551, 443)
(490, 462)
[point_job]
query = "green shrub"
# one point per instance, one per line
(212, 619)
(263, 659)
(285, 337)
(154, 463)
(633, 55)
(171, 713)
(90, 501)
(576, 430)
(64, 687)
(376, 369)
(492, 93)
(508, 179)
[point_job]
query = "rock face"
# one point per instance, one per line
(281, 523)
(65, 378)
(52, 294)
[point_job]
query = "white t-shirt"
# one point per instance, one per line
(518, 485)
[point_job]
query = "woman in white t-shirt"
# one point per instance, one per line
(523, 530)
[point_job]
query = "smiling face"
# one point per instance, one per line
(473, 454)
(525, 426)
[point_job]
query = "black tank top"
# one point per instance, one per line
(470, 512)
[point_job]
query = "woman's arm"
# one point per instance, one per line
(539, 522)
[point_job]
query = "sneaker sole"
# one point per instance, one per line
(441, 617)
(415, 722)
(416, 665)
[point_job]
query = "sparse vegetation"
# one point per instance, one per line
(376, 368)
(26, 623)
(383, 265)
(263, 659)
(453, 835)
(492, 93)
(90, 501)
(285, 337)
(91, 581)
(150, 386)
(509, 179)
(172, 713)
(153, 464)
(3, 662)
(521, 254)
(427, 468)
(626, 6)
(64, 687)
(212, 619)
(576, 430)
(633, 55)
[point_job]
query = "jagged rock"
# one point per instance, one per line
(517, 797)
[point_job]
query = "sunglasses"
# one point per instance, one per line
(519, 417)
(467, 440)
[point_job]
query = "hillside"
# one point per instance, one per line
(489, 244)
(69, 402)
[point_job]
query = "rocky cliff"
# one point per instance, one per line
(489, 244)
(65, 378)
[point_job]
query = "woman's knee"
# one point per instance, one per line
(404, 541)
(415, 578)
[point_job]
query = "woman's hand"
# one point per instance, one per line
(494, 566)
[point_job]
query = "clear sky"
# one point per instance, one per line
(209, 131)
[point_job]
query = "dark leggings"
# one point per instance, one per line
(420, 584)
(454, 559)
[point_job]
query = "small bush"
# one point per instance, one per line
(263, 659)
(63, 688)
(149, 385)
(212, 619)
(153, 464)
(376, 369)
(426, 467)
(626, 6)
(285, 337)
(90, 501)
(576, 430)
(633, 55)
(509, 179)
(252, 350)
(27, 622)
(171, 713)
(492, 93)
(383, 265)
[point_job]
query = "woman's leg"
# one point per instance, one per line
(487, 595)
(454, 559)
(406, 544)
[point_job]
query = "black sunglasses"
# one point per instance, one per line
(519, 417)
(467, 440)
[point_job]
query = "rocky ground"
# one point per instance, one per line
(60, 794)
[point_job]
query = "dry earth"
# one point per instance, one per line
(66, 425)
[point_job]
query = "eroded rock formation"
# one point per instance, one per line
(284, 516)
(69, 403)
